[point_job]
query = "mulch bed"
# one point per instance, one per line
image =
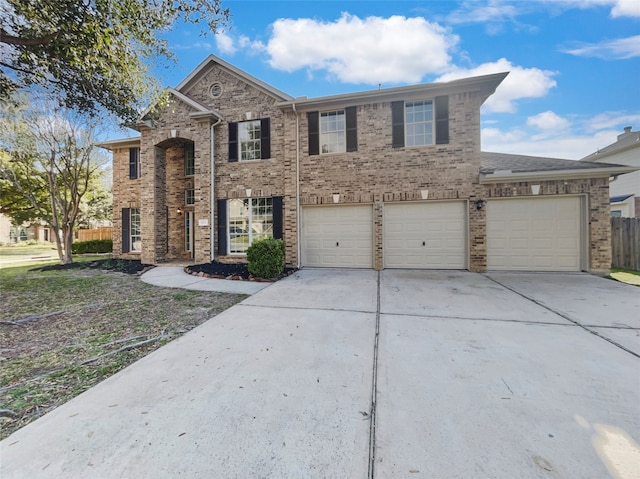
(236, 271)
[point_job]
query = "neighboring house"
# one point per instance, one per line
(624, 191)
(10, 233)
(389, 178)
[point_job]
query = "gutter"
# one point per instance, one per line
(298, 216)
(507, 176)
(212, 155)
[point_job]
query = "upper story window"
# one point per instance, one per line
(189, 159)
(134, 163)
(332, 132)
(189, 197)
(250, 140)
(419, 123)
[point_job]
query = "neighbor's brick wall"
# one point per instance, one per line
(126, 194)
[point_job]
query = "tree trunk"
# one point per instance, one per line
(67, 235)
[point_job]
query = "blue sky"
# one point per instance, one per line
(575, 64)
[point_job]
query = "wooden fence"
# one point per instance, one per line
(104, 232)
(625, 243)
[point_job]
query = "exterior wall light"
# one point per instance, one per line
(479, 204)
(179, 211)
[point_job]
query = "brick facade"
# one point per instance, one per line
(374, 174)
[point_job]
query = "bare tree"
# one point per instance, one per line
(51, 151)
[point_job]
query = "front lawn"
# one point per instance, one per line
(64, 330)
(626, 276)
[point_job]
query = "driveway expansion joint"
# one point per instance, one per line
(566, 316)
(374, 388)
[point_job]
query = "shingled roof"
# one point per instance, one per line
(509, 167)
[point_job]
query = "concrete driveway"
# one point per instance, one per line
(356, 374)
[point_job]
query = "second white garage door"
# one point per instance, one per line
(337, 236)
(534, 234)
(430, 235)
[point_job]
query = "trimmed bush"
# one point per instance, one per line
(266, 258)
(93, 246)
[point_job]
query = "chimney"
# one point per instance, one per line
(627, 131)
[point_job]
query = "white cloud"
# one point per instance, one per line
(370, 51)
(548, 120)
(619, 8)
(475, 12)
(579, 139)
(229, 45)
(520, 83)
(609, 120)
(619, 49)
(626, 8)
(225, 45)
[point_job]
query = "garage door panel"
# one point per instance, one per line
(337, 236)
(425, 235)
(534, 234)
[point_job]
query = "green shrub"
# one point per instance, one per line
(93, 246)
(266, 258)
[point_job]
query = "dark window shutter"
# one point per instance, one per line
(397, 124)
(265, 139)
(222, 227)
(314, 132)
(233, 141)
(442, 120)
(351, 117)
(277, 217)
(133, 163)
(126, 228)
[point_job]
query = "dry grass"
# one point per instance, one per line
(54, 321)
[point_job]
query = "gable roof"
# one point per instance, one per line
(504, 167)
(485, 84)
(201, 112)
(620, 198)
(186, 84)
(626, 141)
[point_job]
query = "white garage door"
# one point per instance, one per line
(534, 234)
(337, 236)
(425, 235)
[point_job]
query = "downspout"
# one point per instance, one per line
(298, 217)
(212, 152)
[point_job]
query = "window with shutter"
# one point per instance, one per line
(189, 159)
(250, 140)
(125, 230)
(414, 122)
(314, 132)
(134, 163)
(442, 120)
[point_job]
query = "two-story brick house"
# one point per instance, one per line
(389, 178)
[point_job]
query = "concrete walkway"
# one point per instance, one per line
(360, 374)
(175, 277)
